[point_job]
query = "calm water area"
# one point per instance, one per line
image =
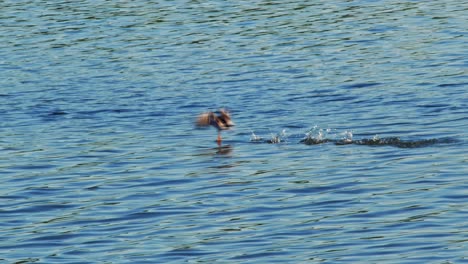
(350, 144)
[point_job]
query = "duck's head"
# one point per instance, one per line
(226, 118)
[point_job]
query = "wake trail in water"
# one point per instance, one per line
(317, 136)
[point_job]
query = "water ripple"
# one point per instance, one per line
(357, 111)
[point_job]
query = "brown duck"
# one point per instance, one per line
(221, 122)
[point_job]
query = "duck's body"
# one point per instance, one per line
(221, 122)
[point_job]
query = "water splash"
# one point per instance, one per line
(317, 135)
(346, 138)
(278, 137)
(275, 138)
(255, 138)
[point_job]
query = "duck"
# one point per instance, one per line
(221, 122)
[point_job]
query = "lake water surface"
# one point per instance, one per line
(350, 142)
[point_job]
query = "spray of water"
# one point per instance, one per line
(317, 135)
(255, 138)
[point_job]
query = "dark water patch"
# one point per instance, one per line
(150, 215)
(339, 98)
(315, 93)
(164, 183)
(187, 251)
(359, 190)
(336, 203)
(435, 108)
(33, 167)
(452, 84)
(56, 114)
(99, 111)
(39, 208)
(436, 105)
(455, 197)
(254, 256)
(59, 237)
(361, 85)
(35, 245)
(92, 188)
(320, 189)
(12, 197)
(397, 142)
(388, 141)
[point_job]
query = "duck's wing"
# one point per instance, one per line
(204, 119)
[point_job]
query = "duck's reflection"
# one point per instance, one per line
(224, 150)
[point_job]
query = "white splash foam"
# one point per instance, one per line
(254, 137)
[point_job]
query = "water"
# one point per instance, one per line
(350, 144)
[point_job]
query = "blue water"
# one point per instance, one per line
(350, 140)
